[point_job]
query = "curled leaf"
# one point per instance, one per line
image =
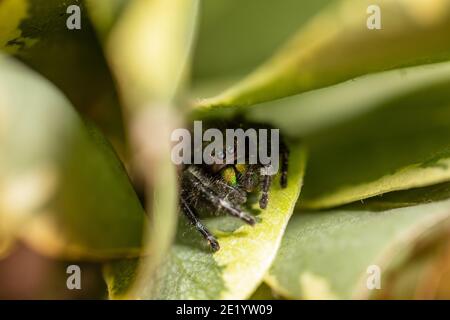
(401, 144)
(62, 186)
(36, 32)
(342, 253)
(338, 45)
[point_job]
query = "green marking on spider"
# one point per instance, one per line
(229, 175)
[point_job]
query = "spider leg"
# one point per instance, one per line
(218, 202)
(234, 194)
(284, 152)
(266, 182)
(188, 212)
(248, 179)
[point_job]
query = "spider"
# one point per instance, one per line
(224, 188)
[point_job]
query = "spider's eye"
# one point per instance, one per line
(229, 175)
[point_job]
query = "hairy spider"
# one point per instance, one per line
(224, 188)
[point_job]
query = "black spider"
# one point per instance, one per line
(225, 189)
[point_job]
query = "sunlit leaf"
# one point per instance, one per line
(337, 45)
(191, 271)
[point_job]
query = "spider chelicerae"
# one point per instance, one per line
(225, 188)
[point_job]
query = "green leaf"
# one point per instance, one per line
(327, 254)
(149, 77)
(191, 271)
(306, 114)
(264, 292)
(149, 73)
(337, 45)
(35, 32)
(149, 46)
(61, 183)
(12, 13)
(385, 121)
(401, 144)
(235, 37)
(105, 14)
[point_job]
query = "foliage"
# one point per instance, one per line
(366, 114)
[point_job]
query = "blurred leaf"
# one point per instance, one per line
(236, 36)
(35, 31)
(61, 183)
(423, 276)
(120, 277)
(327, 254)
(191, 271)
(6, 243)
(149, 47)
(105, 14)
(369, 136)
(264, 292)
(399, 145)
(305, 114)
(26, 275)
(12, 13)
(337, 45)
